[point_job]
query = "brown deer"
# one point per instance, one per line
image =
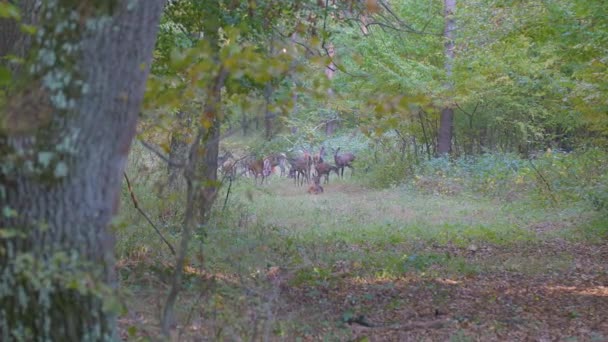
(324, 169)
(229, 169)
(300, 167)
(344, 160)
(227, 165)
(318, 158)
(280, 160)
(316, 187)
(259, 167)
(309, 161)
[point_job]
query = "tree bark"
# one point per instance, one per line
(444, 140)
(268, 90)
(63, 189)
(178, 152)
(211, 140)
(268, 114)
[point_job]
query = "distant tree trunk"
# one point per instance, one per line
(268, 114)
(268, 90)
(57, 270)
(209, 164)
(330, 126)
(446, 124)
(200, 170)
(424, 135)
(331, 68)
(294, 96)
(178, 151)
(245, 122)
(294, 129)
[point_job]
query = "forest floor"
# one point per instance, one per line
(356, 264)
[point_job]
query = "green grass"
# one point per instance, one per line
(349, 232)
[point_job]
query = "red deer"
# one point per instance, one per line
(300, 167)
(258, 168)
(308, 158)
(315, 188)
(280, 160)
(318, 158)
(227, 165)
(229, 169)
(344, 160)
(324, 169)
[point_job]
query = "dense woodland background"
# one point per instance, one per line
(163, 170)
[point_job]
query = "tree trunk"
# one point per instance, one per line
(63, 158)
(178, 152)
(446, 129)
(211, 140)
(330, 126)
(444, 141)
(268, 90)
(245, 122)
(268, 114)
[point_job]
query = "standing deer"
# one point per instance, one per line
(259, 167)
(300, 167)
(344, 160)
(324, 169)
(318, 158)
(309, 161)
(227, 165)
(280, 160)
(315, 188)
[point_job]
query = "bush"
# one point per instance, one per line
(551, 178)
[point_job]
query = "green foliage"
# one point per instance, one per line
(32, 288)
(383, 170)
(551, 178)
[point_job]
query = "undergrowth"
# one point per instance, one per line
(435, 219)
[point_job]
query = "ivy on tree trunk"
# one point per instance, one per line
(66, 130)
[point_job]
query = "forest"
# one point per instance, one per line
(301, 170)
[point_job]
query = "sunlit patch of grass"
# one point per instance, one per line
(385, 216)
(380, 233)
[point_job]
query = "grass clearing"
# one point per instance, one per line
(285, 264)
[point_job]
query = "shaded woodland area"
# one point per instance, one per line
(268, 170)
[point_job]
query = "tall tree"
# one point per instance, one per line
(68, 120)
(446, 123)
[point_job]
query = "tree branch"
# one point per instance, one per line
(136, 205)
(467, 113)
(153, 149)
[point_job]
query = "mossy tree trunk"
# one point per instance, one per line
(67, 126)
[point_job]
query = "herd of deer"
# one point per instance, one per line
(305, 167)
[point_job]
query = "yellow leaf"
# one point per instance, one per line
(372, 6)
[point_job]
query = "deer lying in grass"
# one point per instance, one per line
(316, 187)
(344, 160)
(324, 169)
